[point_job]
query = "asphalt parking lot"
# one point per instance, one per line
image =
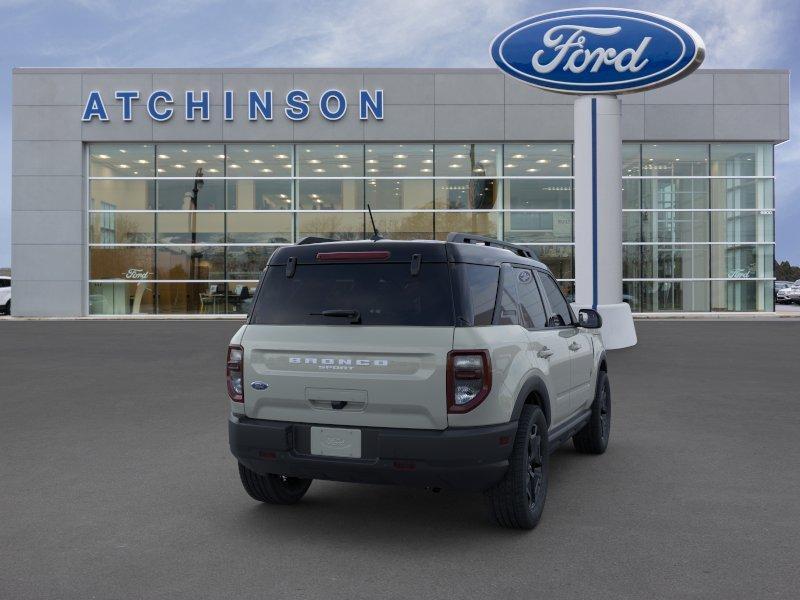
(116, 482)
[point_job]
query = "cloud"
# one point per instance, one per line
(346, 33)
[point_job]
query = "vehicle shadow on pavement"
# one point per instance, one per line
(344, 512)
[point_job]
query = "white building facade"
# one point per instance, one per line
(164, 192)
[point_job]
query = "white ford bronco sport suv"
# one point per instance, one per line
(454, 364)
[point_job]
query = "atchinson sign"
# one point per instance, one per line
(333, 105)
(598, 50)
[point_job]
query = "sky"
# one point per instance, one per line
(375, 33)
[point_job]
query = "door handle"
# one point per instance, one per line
(545, 352)
(574, 346)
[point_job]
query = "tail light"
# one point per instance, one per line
(469, 379)
(235, 373)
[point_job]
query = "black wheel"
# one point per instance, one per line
(8, 308)
(517, 501)
(273, 489)
(593, 438)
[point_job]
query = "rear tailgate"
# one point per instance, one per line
(382, 376)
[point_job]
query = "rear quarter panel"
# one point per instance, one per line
(511, 367)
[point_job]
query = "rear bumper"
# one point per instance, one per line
(470, 458)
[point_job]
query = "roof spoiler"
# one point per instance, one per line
(314, 240)
(470, 238)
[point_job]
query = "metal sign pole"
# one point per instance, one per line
(598, 216)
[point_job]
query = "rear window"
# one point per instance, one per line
(381, 294)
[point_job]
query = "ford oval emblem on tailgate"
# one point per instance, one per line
(259, 385)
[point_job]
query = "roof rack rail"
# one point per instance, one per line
(470, 238)
(314, 240)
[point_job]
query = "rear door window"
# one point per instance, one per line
(534, 315)
(381, 294)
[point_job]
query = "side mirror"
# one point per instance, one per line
(589, 318)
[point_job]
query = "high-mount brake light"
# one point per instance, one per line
(469, 379)
(367, 255)
(235, 373)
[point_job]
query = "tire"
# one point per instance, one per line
(518, 500)
(273, 489)
(8, 308)
(593, 438)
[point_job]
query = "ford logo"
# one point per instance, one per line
(598, 50)
(259, 385)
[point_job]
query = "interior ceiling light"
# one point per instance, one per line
(103, 156)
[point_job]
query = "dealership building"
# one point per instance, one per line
(164, 192)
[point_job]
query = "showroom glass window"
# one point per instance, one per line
(188, 228)
(698, 226)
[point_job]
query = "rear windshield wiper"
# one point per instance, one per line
(353, 315)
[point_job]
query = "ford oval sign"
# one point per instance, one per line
(598, 50)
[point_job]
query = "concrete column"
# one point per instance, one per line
(598, 217)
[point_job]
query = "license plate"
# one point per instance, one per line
(332, 441)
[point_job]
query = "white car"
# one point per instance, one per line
(453, 364)
(790, 294)
(5, 295)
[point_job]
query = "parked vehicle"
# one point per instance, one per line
(454, 364)
(5, 294)
(780, 294)
(792, 293)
